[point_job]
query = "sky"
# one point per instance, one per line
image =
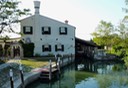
(85, 15)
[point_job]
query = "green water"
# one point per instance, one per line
(66, 80)
(78, 76)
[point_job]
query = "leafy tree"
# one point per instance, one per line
(9, 15)
(103, 34)
(126, 11)
(122, 30)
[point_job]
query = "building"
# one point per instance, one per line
(85, 48)
(48, 35)
(10, 48)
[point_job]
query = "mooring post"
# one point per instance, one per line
(50, 69)
(62, 60)
(11, 78)
(71, 58)
(58, 64)
(68, 59)
(21, 75)
(56, 58)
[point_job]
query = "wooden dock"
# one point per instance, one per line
(47, 75)
(51, 72)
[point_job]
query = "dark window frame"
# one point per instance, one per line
(46, 32)
(61, 31)
(44, 49)
(58, 49)
(25, 32)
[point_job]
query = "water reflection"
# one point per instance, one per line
(66, 80)
(68, 75)
(88, 83)
(100, 67)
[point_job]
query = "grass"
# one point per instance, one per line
(34, 63)
(27, 63)
(81, 75)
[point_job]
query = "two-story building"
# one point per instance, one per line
(48, 35)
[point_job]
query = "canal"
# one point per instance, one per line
(85, 74)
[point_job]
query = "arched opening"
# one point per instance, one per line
(16, 50)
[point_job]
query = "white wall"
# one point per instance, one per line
(38, 21)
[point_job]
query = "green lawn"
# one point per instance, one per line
(34, 63)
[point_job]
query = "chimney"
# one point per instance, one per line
(37, 7)
(66, 21)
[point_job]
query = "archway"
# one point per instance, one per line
(16, 50)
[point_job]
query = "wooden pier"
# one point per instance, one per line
(47, 75)
(53, 71)
(50, 73)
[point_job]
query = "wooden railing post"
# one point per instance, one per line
(50, 70)
(58, 64)
(21, 75)
(11, 78)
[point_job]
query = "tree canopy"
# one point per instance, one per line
(10, 14)
(103, 34)
(116, 38)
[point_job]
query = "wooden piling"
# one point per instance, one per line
(21, 75)
(58, 66)
(50, 70)
(11, 78)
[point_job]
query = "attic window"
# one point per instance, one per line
(63, 30)
(27, 30)
(46, 30)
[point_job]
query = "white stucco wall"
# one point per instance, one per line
(37, 22)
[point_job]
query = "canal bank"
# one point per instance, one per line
(84, 78)
(34, 74)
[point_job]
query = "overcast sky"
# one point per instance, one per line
(85, 15)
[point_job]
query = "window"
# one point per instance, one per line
(46, 48)
(46, 30)
(59, 47)
(27, 30)
(63, 30)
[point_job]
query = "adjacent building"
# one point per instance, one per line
(48, 35)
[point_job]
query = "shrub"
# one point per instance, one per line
(28, 49)
(37, 55)
(50, 55)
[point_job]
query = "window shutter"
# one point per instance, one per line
(62, 47)
(49, 28)
(55, 47)
(31, 29)
(49, 47)
(42, 48)
(59, 30)
(66, 30)
(42, 30)
(24, 29)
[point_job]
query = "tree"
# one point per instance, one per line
(103, 34)
(9, 15)
(122, 30)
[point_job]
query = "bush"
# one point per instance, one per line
(117, 67)
(28, 49)
(50, 55)
(37, 55)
